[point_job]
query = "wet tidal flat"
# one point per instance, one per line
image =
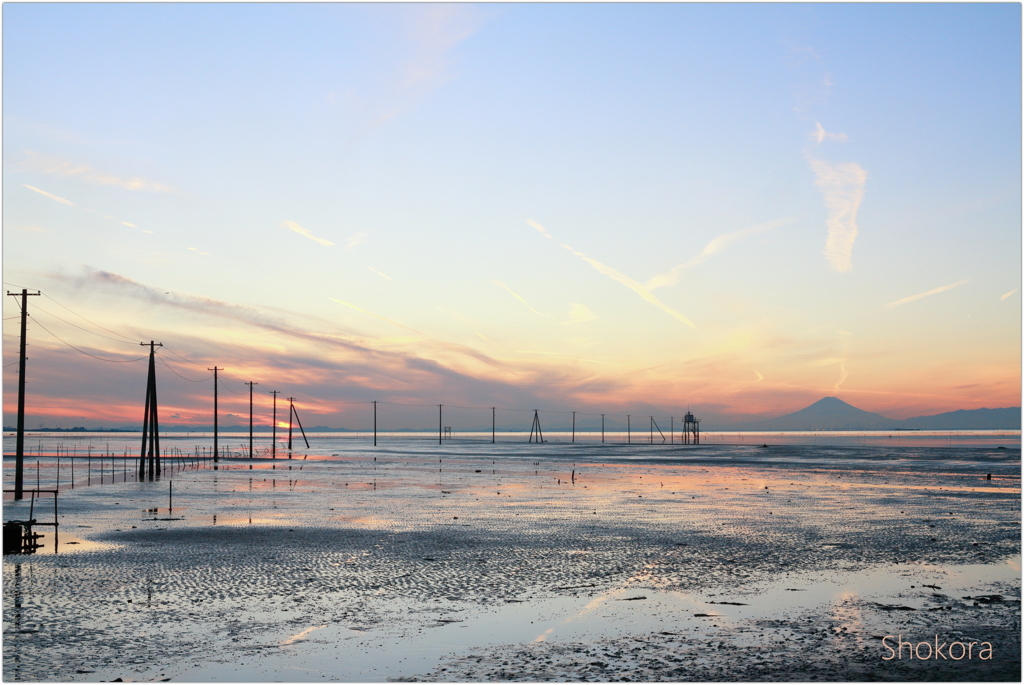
(479, 562)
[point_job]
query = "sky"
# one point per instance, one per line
(735, 209)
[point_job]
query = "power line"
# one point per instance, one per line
(116, 361)
(85, 319)
(179, 375)
(40, 309)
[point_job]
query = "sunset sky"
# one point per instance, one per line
(734, 208)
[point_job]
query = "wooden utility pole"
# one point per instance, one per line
(149, 461)
(439, 434)
(602, 428)
(574, 426)
(19, 464)
(250, 384)
(295, 413)
(375, 423)
(273, 439)
(492, 425)
(535, 429)
(291, 410)
(215, 450)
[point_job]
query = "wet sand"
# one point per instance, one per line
(562, 562)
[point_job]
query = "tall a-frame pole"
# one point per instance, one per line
(19, 464)
(535, 429)
(149, 457)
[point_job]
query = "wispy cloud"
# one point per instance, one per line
(843, 375)
(716, 245)
(1009, 293)
(302, 231)
(579, 313)
(356, 239)
(45, 164)
(620, 277)
(513, 293)
(377, 316)
(842, 186)
(379, 273)
(819, 135)
(61, 200)
(198, 250)
(430, 34)
(759, 376)
(919, 296)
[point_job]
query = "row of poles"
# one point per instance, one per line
(149, 465)
(149, 459)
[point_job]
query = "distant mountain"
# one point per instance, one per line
(968, 419)
(828, 413)
(831, 413)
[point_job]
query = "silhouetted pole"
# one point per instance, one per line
(375, 423)
(291, 410)
(215, 452)
(536, 428)
(149, 459)
(574, 426)
(439, 424)
(672, 430)
(19, 464)
(299, 421)
(629, 432)
(273, 439)
(492, 425)
(602, 428)
(250, 384)
(650, 440)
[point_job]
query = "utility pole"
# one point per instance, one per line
(375, 423)
(602, 428)
(150, 421)
(492, 425)
(629, 433)
(291, 410)
(250, 384)
(19, 465)
(295, 412)
(439, 424)
(215, 451)
(574, 426)
(273, 439)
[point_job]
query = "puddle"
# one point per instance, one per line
(352, 652)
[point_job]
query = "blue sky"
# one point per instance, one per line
(725, 206)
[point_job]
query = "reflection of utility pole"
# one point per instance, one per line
(250, 384)
(215, 453)
(150, 422)
(273, 439)
(19, 464)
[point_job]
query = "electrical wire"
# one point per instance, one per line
(85, 319)
(179, 375)
(84, 352)
(40, 309)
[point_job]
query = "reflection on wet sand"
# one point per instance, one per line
(504, 563)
